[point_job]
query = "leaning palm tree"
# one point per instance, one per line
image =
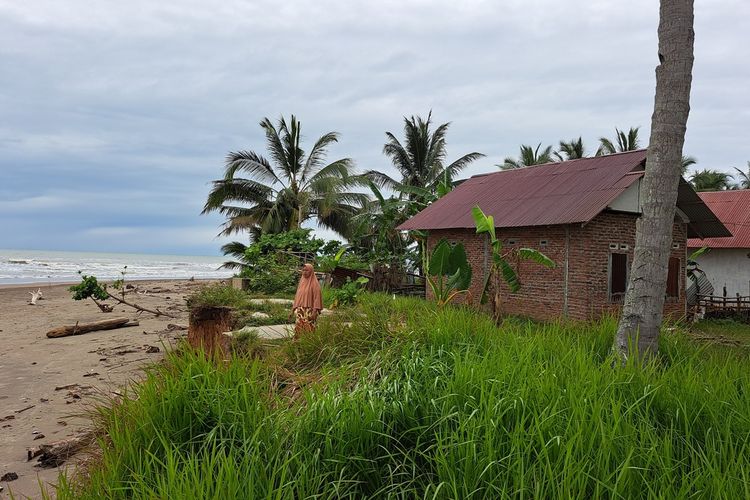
(528, 157)
(572, 150)
(420, 160)
(294, 186)
(743, 178)
(711, 180)
(624, 142)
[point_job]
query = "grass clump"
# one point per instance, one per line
(413, 401)
(217, 294)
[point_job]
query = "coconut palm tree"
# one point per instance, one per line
(571, 150)
(743, 177)
(711, 180)
(294, 186)
(687, 161)
(420, 160)
(528, 157)
(623, 142)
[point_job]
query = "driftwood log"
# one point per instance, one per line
(81, 328)
(206, 329)
(56, 453)
(36, 296)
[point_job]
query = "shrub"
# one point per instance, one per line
(273, 274)
(348, 293)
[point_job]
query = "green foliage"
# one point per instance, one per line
(500, 259)
(273, 274)
(624, 142)
(416, 401)
(297, 241)
(528, 157)
(711, 180)
(89, 287)
(246, 343)
(348, 293)
(271, 263)
(448, 271)
(293, 185)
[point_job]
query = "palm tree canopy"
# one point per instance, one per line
(528, 156)
(294, 186)
(711, 180)
(687, 161)
(623, 142)
(743, 177)
(572, 150)
(420, 160)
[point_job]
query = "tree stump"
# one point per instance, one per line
(206, 329)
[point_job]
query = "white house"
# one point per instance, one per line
(727, 263)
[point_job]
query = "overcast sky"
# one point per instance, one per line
(114, 116)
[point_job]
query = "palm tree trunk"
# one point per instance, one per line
(644, 300)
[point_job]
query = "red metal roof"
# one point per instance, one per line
(733, 210)
(568, 192)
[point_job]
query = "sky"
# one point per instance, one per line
(115, 116)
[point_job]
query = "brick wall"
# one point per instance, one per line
(542, 295)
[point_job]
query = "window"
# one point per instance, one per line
(673, 277)
(618, 276)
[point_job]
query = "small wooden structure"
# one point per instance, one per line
(723, 304)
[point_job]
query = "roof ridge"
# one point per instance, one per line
(557, 163)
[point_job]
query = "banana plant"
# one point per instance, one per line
(692, 267)
(448, 272)
(501, 258)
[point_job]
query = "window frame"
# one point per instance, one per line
(619, 297)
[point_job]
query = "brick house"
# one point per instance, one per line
(581, 214)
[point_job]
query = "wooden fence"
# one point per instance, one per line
(714, 303)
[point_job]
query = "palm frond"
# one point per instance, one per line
(275, 145)
(382, 180)
(317, 155)
(454, 168)
(536, 256)
(235, 248)
(235, 190)
(251, 163)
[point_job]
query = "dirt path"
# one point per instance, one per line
(48, 385)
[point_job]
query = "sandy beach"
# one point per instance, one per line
(47, 386)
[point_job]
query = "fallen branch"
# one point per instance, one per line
(106, 308)
(56, 453)
(156, 311)
(35, 296)
(78, 329)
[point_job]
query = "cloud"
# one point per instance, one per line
(118, 115)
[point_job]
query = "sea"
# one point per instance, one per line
(42, 266)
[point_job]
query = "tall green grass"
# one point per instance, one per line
(415, 402)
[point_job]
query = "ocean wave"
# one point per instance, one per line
(65, 266)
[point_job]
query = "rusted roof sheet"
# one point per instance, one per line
(567, 192)
(733, 210)
(554, 193)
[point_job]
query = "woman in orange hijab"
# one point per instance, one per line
(308, 302)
